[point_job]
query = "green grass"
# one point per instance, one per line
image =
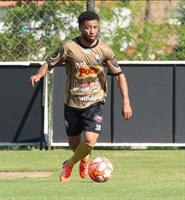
(138, 175)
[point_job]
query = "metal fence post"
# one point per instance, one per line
(90, 5)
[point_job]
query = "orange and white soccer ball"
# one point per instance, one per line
(100, 169)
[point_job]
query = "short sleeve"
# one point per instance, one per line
(58, 57)
(112, 64)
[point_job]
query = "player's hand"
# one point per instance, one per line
(126, 111)
(34, 79)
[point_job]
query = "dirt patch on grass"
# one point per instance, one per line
(10, 175)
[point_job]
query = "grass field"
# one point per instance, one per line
(138, 175)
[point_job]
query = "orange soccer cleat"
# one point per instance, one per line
(83, 169)
(66, 173)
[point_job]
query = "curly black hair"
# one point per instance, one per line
(87, 15)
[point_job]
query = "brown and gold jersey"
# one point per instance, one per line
(86, 80)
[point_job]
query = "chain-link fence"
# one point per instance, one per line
(136, 30)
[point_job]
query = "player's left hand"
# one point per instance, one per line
(126, 111)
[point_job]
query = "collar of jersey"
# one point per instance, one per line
(85, 47)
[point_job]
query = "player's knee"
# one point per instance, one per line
(91, 138)
(74, 141)
(73, 144)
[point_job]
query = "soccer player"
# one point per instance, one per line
(86, 88)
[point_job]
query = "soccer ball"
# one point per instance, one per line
(100, 169)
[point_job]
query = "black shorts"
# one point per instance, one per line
(89, 119)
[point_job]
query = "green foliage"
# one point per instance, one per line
(145, 36)
(149, 38)
(163, 148)
(18, 148)
(180, 29)
(34, 32)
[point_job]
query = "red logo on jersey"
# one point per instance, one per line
(86, 87)
(87, 71)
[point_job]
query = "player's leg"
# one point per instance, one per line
(92, 126)
(83, 166)
(82, 152)
(89, 138)
(84, 148)
(73, 130)
(74, 141)
(92, 122)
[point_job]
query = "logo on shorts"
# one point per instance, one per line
(66, 124)
(98, 119)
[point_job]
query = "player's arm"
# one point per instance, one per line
(41, 72)
(123, 87)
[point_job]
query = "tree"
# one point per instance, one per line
(138, 33)
(179, 23)
(36, 31)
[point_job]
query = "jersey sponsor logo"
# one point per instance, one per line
(90, 99)
(95, 86)
(56, 54)
(87, 71)
(114, 62)
(98, 58)
(98, 119)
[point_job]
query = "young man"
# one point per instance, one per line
(86, 89)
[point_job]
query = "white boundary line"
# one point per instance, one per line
(101, 144)
(152, 62)
(26, 63)
(19, 144)
(22, 63)
(129, 144)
